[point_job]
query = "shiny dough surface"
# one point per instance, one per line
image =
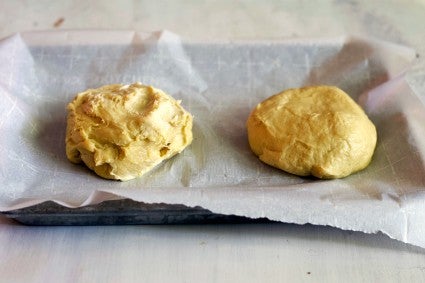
(317, 131)
(123, 131)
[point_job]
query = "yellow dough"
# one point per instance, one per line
(317, 131)
(123, 131)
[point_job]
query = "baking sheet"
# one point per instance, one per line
(122, 212)
(219, 83)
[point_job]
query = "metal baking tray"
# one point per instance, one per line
(120, 212)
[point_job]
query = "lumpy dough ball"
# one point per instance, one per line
(317, 131)
(123, 131)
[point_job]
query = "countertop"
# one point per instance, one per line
(267, 252)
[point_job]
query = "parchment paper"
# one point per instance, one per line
(219, 83)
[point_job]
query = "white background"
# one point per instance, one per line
(213, 253)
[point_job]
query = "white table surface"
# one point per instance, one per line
(213, 253)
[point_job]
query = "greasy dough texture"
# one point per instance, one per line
(123, 131)
(317, 131)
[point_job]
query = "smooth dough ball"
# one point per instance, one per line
(317, 131)
(123, 131)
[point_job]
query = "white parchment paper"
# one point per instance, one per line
(219, 83)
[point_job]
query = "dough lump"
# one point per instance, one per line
(123, 131)
(317, 131)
